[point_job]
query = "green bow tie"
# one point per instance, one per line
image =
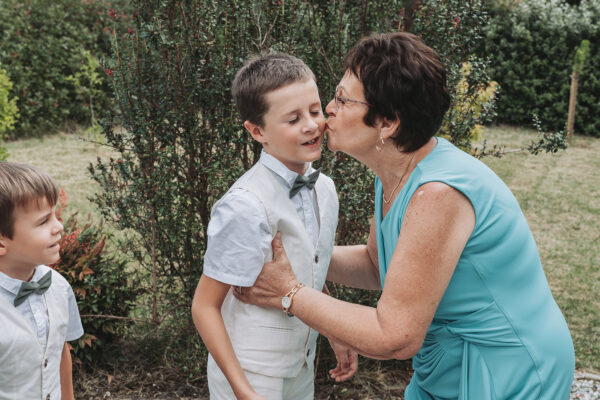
(38, 287)
(301, 181)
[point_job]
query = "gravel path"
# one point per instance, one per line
(585, 387)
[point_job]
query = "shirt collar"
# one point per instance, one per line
(280, 169)
(13, 285)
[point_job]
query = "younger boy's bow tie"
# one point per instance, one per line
(38, 287)
(301, 181)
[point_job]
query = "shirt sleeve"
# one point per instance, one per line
(239, 239)
(74, 328)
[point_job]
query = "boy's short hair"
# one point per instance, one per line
(402, 78)
(22, 185)
(260, 75)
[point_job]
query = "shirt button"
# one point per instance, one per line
(308, 353)
(46, 364)
(316, 258)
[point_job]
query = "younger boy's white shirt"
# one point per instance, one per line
(34, 309)
(239, 237)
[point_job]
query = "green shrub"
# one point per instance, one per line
(101, 286)
(454, 28)
(9, 112)
(43, 44)
(532, 49)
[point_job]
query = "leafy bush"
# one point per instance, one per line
(8, 110)
(501, 7)
(474, 107)
(454, 28)
(532, 49)
(44, 43)
(100, 284)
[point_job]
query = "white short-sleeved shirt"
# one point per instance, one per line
(239, 237)
(34, 308)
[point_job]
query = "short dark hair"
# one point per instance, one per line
(402, 78)
(22, 185)
(262, 74)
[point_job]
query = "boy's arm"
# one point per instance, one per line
(66, 374)
(206, 312)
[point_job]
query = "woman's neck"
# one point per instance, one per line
(393, 167)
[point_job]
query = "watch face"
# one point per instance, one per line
(286, 302)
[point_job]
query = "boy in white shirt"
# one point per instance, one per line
(38, 311)
(256, 353)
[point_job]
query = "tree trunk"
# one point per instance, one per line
(572, 101)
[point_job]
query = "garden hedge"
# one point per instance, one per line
(45, 50)
(532, 50)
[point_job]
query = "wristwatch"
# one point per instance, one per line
(286, 301)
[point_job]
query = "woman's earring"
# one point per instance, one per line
(379, 145)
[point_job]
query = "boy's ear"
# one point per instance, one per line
(388, 128)
(255, 131)
(2, 246)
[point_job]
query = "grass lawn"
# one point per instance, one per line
(65, 157)
(559, 194)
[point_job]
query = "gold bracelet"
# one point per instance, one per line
(286, 301)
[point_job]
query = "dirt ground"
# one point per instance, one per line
(385, 381)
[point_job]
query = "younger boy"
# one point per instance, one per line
(256, 352)
(38, 311)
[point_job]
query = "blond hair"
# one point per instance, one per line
(22, 185)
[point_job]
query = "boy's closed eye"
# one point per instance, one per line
(44, 219)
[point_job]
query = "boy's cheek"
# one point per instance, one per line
(322, 125)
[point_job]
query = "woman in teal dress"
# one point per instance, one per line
(464, 292)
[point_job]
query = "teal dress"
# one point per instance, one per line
(497, 332)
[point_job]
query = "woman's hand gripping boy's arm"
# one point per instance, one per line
(206, 313)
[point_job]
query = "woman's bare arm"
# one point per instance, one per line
(356, 266)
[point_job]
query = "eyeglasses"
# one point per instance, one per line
(343, 100)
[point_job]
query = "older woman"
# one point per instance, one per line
(464, 292)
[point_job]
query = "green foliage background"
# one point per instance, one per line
(102, 288)
(532, 47)
(8, 110)
(43, 44)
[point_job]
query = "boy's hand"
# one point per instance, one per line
(347, 362)
(252, 396)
